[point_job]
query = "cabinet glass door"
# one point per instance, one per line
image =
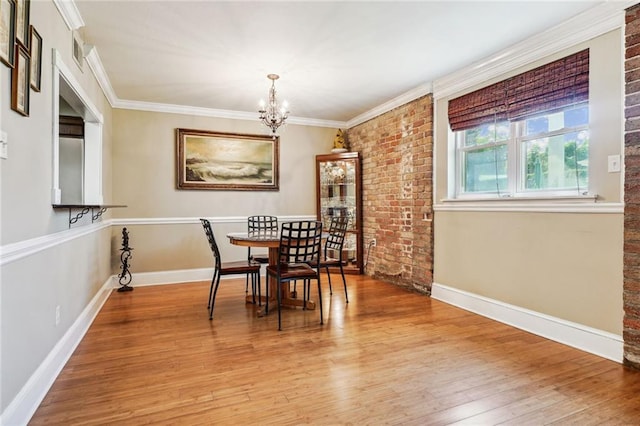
(338, 196)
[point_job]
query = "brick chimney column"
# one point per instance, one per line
(631, 289)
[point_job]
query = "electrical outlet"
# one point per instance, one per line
(373, 242)
(57, 315)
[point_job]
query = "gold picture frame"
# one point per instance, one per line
(20, 81)
(7, 32)
(22, 22)
(226, 161)
(36, 59)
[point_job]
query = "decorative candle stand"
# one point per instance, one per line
(125, 275)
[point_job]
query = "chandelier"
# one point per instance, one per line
(272, 114)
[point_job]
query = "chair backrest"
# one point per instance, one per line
(300, 242)
(337, 232)
(262, 223)
(212, 241)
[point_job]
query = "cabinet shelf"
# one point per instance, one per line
(96, 210)
(338, 193)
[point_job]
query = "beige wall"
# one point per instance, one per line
(144, 178)
(568, 265)
(606, 86)
(65, 273)
(577, 275)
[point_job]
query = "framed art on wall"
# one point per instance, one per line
(7, 31)
(36, 59)
(22, 22)
(20, 82)
(226, 161)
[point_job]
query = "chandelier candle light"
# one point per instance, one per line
(272, 114)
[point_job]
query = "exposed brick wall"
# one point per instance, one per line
(631, 290)
(397, 152)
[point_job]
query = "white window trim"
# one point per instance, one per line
(592, 23)
(92, 190)
(515, 168)
(540, 205)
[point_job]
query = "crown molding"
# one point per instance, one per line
(70, 13)
(589, 24)
(304, 121)
(95, 64)
(404, 98)
(216, 113)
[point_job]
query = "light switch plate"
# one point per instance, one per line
(614, 164)
(4, 145)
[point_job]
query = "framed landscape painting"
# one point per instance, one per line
(226, 161)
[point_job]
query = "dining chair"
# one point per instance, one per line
(298, 259)
(228, 268)
(259, 223)
(333, 244)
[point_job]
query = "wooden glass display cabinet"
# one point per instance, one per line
(338, 192)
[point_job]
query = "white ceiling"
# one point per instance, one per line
(336, 60)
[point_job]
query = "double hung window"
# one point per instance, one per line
(527, 135)
(545, 154)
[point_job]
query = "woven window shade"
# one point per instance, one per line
(552, 86)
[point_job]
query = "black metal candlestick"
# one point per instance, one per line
(125, 275)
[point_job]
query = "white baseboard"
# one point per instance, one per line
(141, 279)
(597, 342)
(173, 277)
(26, 402)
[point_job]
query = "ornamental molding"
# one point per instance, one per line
(592, 23)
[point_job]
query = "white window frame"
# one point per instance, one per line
(516, 169)
(64, 81)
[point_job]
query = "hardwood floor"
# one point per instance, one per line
(388, 357)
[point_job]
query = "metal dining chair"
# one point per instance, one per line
(298, 259)
(228, 268)
(258, 224)
(333, 244)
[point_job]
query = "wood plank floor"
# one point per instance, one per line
(388, 357)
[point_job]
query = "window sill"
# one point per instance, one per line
(561, 204)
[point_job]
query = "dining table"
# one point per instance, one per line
(270, 240)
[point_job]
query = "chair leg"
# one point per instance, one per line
(211, 292)
(279, 303)
(344, 282)
(266, 287)
(305, 295)
(213, 298)
(329, 278)
(253, 286)
(213, 283)
(259, 289)
(320, 299)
